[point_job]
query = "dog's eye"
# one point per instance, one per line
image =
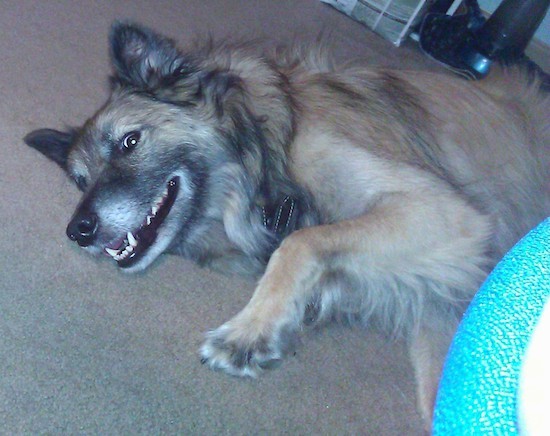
(81, 183)
(130, 140)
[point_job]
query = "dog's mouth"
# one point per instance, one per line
(129, 249)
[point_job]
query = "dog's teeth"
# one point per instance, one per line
(131, 240)
(111, 252)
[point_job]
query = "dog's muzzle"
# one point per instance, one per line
(128, 247)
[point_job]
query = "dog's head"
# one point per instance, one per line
(145, 159)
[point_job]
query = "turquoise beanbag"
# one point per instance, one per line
(479, 385)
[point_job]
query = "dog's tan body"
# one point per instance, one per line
(403, 235)
(411, 187)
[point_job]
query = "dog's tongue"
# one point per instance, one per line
(115, 245)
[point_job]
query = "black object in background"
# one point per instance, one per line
(469, 45)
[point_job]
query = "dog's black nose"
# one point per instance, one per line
(83, 228)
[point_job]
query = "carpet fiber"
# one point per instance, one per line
(87, 349)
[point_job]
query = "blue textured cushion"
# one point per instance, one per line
(478, 389)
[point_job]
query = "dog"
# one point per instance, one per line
(351, 193)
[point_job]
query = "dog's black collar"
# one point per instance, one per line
(280, 218)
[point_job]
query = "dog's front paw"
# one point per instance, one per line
(244, 354)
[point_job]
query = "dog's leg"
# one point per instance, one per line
(428, 350)
(406, 254)
(261, 334)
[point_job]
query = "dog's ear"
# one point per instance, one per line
(141, 57)
(53, 144)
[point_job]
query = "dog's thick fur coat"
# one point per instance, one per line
(407, 187)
